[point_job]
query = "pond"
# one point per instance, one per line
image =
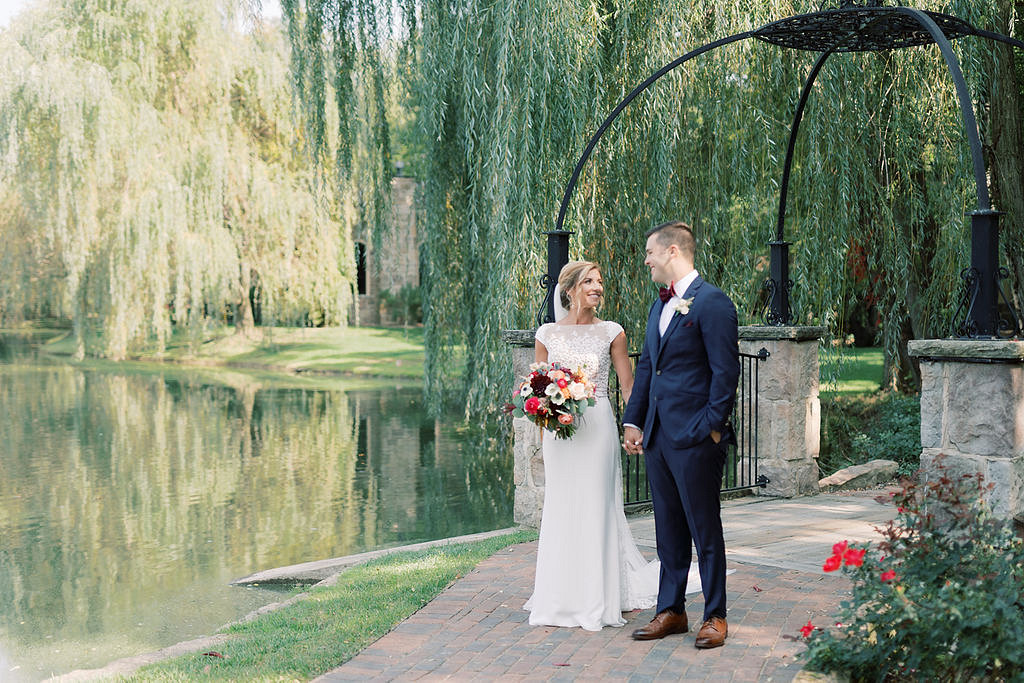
(131, 497)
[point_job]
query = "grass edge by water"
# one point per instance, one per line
(329, 624)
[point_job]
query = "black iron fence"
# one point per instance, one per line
(741, 462)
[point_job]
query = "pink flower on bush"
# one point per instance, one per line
(888, 576)
(807, 629)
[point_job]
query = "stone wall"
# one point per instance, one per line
(972, 413)
(528, 461)
(789, 411)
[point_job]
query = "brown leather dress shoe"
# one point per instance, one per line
(712, 633)
(664, 624)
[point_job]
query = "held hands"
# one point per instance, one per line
(633, 440)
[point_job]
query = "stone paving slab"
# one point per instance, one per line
(477, 628)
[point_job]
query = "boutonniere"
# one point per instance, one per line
(682, 307)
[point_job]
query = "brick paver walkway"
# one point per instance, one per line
(477, 630)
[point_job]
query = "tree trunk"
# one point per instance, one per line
(908, 371)
(244, 321)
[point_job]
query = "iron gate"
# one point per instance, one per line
(741, 460)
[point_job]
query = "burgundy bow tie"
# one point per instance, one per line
(665, 293)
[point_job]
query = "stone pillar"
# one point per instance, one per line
(789, 412)
(528, 460)
(972, 413)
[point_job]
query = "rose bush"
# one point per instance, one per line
(940, 598)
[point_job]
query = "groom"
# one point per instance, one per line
(682, 397)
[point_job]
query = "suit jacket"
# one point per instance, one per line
(686, 379)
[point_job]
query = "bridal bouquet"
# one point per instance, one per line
(553, 397)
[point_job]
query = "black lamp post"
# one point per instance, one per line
(558, 256)
(982, 290)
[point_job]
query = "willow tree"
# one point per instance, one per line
(508, 93)
(155, 175)
(341, 61)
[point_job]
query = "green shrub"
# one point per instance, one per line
(938, 599)
(404, 306)
(856, 429)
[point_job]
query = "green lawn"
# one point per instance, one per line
(853, 371)
(859, 422)
(380, 352)
(332, 624)
(386, 353)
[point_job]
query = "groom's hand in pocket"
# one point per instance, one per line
(633, 440)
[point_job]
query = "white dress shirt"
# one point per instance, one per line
(678, 289)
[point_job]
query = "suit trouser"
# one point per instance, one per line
(685, 485)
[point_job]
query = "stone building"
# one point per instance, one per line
(398, 264)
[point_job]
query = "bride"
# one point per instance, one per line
(589, 569)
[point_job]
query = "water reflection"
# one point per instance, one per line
(128, 500)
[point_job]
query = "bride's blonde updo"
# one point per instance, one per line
(570, 276)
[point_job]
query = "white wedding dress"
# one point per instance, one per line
(589, 569)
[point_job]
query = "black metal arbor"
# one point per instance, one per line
(848, 28)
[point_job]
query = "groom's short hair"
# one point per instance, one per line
(677, 233)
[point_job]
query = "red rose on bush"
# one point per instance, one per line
(854, 558)
(843, 554)
(888, 576)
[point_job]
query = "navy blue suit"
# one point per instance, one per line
(684, 389)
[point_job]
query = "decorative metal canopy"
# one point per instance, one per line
(849, 28)
(852, 28)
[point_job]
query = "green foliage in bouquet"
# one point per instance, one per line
(938, 599)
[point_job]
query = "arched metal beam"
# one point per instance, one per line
(964, 97)
(558, 239)
(625, 103)
(981, 280)
(792, 141)
(985, 220)
(778, 284)
(1000, 37)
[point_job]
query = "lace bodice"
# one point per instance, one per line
(582, 346)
